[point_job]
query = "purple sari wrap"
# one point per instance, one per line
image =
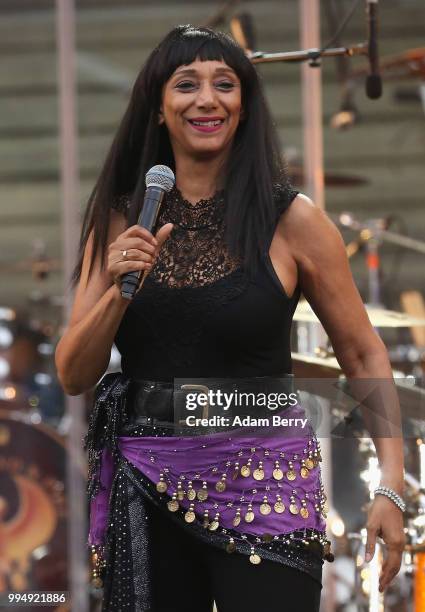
(151, 455)
(248, 492)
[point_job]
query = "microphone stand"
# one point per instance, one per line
(309, 55)
(373, 233)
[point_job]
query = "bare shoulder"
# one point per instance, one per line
(309, 232)
(304, 216)
(324, 275)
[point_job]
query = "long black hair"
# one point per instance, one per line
(254, 168)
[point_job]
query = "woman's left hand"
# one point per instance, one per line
(386, 521)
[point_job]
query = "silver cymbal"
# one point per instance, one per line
(411, 397)
(379, 317)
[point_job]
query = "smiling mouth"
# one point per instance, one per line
(214, 123)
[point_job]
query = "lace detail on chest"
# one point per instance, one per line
(195, 253)
(192, 279)
(193, 276)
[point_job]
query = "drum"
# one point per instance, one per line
(33, 509)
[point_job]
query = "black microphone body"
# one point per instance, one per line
(147, 219)
(373, 80)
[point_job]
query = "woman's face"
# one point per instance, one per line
(201, 107)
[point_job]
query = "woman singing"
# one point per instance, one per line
(179, 521)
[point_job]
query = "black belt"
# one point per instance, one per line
(159, 402)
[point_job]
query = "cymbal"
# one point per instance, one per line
(311, 366)
(379, 317)
(411, 397)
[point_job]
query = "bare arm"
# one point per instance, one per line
(325, 278)
(327, 283)
(82, 354)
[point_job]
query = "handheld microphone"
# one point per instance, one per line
(159, 181)
(373, 79)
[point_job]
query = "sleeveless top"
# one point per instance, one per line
(198, 313)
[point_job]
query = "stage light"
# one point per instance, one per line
(6, 337)
(41, 378)
(337, 526)
(7, 393)
(4, 368)
(7, 314)
(343, 120)
(45, 348)
(346, 219)
(35, 418)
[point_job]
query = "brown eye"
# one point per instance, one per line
(184, 85)
(225, 85)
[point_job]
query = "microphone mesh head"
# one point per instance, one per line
(160, 176)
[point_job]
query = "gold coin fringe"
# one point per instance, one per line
(297, 468)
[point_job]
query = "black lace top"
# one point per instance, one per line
(197, 313)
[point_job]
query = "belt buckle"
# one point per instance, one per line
(205, 389)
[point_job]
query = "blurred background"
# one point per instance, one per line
(374, 185)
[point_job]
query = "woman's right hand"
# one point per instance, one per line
(142, 250)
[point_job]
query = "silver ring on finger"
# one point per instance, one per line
(124, 254)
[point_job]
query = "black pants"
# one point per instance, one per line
(193, 575)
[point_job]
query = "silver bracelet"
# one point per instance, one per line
(392, 495)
